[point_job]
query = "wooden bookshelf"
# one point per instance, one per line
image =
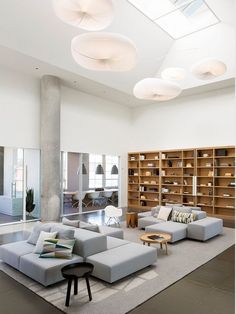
(203, 177)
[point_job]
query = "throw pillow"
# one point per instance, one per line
(89, 226)
(182, 217)
(72, 223)
(63, 232)
(38, 227)
(164, 213)
(183, 209)
(57, 248)
(155, 210)
(43, 236)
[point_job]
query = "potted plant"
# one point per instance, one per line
(30, 201)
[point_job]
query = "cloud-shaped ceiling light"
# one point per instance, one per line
(173, 74)
(208, 69)
(156, 89)
(104, 52)
(91, 15)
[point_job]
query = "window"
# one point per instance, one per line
(65, 171)
(95, 180)
(111, 179)
(178, 17)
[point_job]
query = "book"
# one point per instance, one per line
(156, 237)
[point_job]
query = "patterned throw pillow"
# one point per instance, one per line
(58, 248)
(182, 217)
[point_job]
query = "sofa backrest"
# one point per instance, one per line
(89, 243)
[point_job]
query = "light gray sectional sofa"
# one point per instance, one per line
(202, 228)
(113, 257)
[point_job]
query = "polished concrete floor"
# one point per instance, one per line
(210, 289)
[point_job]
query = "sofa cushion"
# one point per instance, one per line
(164, 213)
(63, 233)
(46, 271)
(147, 221)
(10, 253)
(114, 242)
(112, 232)
(145, 214)
(72, 223)
(38, 227)
(199, 214)
(182, 217)
(121, 261)
(89, 242)
(43, 236)
(155, 211)
(183, 209)
(57, 248)
(177, 230)
(89, 226)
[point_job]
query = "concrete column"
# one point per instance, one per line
(50, 148)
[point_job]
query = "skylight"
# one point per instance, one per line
(178, 17)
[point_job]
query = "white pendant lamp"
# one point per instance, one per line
(104, 52)
(173, 74)
(208, 69)
(156, 89)
(91, 15)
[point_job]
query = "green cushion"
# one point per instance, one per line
(57, 248)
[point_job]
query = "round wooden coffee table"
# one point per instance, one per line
(156, 237)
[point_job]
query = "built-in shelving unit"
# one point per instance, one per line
(203, 177)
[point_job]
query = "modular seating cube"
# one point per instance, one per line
(116, 263)
(205, 229)
(178, 231)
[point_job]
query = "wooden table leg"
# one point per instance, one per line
(68, 292)
(166, 248)
(161, 246)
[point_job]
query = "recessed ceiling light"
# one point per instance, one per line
(36, 68)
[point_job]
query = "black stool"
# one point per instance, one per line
(74, 272)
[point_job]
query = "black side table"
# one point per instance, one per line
(74, 272)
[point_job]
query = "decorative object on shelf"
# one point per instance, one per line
(142, 157)
(173, 74)
(169, 163)
(228, 174)
(210, 173)
(156, 89)
(148, 173)
(114, 169)
(189, 165)
(205, 155)
(209, 183)
(29, 206)
(91, 15)
(99, 169)
(221, 152)
(104, 52)
(208, 69)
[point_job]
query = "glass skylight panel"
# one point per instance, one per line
(157, 8)
(178, 17)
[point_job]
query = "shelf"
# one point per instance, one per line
(171, 176)
(149, 167)
(224, 187)
(149, 160)
(134, 183)
(133, 191)
(211, 196)
(209, 157)
(149, 200)
(225, 177)
(169, 184)
(217, 157)
(149, 192)
(221, 196)
(218, 206)
(172, 168)
(224, 167)
(154, 184)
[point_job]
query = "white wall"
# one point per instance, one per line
(19, 109)
(206, 119)
(93, 125)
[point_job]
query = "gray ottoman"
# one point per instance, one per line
(119, 262)
(205, 229)
(178, 231)
(147, 221)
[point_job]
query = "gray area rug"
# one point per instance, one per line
(122, 296)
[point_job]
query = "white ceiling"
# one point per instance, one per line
(31, 35)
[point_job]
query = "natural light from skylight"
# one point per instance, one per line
(178, 17)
